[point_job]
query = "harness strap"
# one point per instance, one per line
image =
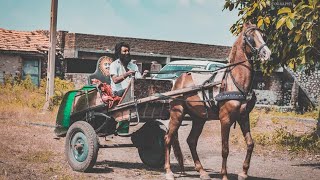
(242, 90)
(204, 97)
(230, 95)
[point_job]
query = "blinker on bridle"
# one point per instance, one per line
(250, 41)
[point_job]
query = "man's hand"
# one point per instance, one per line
(95, 81)
(145, 72)
(128, 73)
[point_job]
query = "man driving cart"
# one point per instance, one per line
(122, 69)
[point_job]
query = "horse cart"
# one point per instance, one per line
(83, 117)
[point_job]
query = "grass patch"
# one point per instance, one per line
(254, 117)
(262, 139)
(38, 157)
(25, 94)
(305, 142)
(20, 98)
(275, 120)
(65, 177)
(310, 115)
(55, 171)
(234, 139)
(289, 140)
(52, 169)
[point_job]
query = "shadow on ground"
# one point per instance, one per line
(107, 166)
(216, 175)
(314, 165)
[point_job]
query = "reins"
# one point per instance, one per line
(203, 89)
(208, 101)
(205, 71)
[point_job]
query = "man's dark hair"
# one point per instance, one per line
(117, 49)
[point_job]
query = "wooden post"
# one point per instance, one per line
(52, 52)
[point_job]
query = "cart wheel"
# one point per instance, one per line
(81, 146)
(153, 154)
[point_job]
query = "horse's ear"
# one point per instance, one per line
(247, 24)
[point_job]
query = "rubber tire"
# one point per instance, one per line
(82, 127)
(154, 156)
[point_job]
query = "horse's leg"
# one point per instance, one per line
(245, 128)
(225, 130)
(192, 141)
(176, 115)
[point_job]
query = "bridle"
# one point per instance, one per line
(248, 41)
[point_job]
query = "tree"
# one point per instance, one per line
(292, 29)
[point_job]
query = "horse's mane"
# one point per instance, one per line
(238, 44)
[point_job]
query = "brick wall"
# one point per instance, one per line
(98, 42)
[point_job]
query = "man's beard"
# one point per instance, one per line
(125, 58)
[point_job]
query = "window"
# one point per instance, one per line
(171, 71)
(214, 67)
(81, 66)
(31, 67)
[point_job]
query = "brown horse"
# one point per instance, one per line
(234, 104)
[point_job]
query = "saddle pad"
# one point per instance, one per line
(199, 79)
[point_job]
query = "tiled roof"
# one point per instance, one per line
(29, 41)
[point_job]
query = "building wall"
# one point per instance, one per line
(79, 79)
(311, 84)
(10, 63)
(107, 43)
(269, 90)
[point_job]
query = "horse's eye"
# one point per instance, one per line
(264, 37)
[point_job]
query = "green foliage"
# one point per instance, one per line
(262, 139)
(310, 142)
(60, 88)
(292, 32)
(24, 93)
(27, 84)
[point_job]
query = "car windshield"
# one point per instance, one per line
(172, 71)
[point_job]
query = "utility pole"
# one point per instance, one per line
(51, 53)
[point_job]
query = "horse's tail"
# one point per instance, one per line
(177, 152)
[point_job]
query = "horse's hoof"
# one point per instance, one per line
(170, 176)
(242, 176)
(204, 176)
(225, 178)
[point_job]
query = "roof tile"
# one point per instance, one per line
(33, 41)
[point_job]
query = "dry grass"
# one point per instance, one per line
(254, 117)
(38, 157)
(285, 134)
(308, 115)
(22, 100)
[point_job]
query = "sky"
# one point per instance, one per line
(197, 21)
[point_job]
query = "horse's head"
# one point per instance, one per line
(254, 43)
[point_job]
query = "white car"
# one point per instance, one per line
(174, 69)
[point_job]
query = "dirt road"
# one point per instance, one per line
(32, 152)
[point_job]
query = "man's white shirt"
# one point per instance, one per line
(117, 69)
